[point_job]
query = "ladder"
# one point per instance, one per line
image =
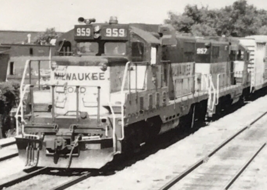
(212, 95)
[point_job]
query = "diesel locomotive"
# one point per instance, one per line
(116, 86)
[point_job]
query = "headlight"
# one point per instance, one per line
(53, 65)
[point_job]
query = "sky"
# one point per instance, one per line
(37, 15)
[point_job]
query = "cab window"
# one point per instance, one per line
(138, 51)
(87, 47)
(215, 52)
(189, 51)
(115, 48)
(240, 55)
(64, 48)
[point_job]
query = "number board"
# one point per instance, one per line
(114, 32)
(83, 32)
(202, 51)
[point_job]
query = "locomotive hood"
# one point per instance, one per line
(87, 60)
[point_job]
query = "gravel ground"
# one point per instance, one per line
(5, 151)
(159, 168)
(224, 165)
(10, 167)
(6, 140)
(254, 177)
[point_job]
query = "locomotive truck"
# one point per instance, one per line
(115, 86)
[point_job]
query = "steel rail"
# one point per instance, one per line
(205, 158)
(243, 168)
(73, 181)
(9, 156)
(6, 144)
(22, 178)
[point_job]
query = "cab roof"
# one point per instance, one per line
(258, 38)
(147, 36)
(213, 42)
(143, 30)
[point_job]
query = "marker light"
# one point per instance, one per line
(97, 28)
(103, 66)
(84, 115)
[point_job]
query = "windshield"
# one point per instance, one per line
(87, 47)
(115, 48)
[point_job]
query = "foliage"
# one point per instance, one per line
(45, 37)
(262, 30)
(239, 19)
(9, 96)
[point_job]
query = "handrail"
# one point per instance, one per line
(23, 89)
(77, 102)
(114, 127)
(26, 67)
(19, 109)
(214, 92)
(218, 88)
(123, 102)
(211, 89)
(207, 81)
(22, 117)
(98, 104)
(24, 75)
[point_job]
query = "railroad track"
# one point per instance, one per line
(191, 179)
(35, 172)
(8, 156)
(7, 149)
(7, 142)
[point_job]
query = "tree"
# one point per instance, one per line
(239, 19)
(9, 96)
(262, 30)
(203, 30)
(45, 37)
(181, 23)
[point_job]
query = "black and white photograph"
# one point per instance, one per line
(133, 95)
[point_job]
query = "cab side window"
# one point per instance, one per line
(153, 55)
(138, 53)
(215, 52)
(240, 55)
(64, 48)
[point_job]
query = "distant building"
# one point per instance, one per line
(4, 58)
(17, 37)
(19, 54)
(21, 49)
